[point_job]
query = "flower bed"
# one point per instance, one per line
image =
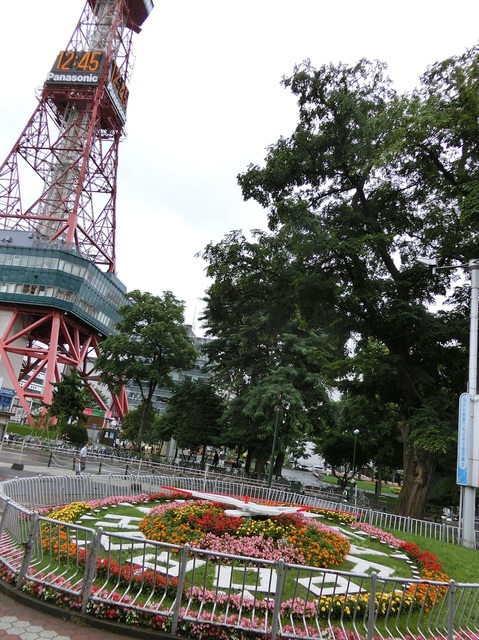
(428, 564)
(204, 525)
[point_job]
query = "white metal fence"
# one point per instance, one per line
(189, 592)
(55, 490)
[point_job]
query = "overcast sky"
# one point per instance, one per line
(206, 100)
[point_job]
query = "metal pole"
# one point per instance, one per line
(21, 451)
(468, 502)
(355, 433)
(276, 614)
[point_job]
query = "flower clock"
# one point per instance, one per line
(300, 538)
(204, 525)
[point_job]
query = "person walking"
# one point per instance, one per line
(83, 455)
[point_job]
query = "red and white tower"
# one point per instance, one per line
(59, 294)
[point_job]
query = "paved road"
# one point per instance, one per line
(305, 477)
(44, 462)
(34, 462)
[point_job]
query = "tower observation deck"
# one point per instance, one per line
(59, 295)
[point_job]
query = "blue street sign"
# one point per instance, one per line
(463, 452)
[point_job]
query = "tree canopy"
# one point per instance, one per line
(261, 351)
(151, 341)
(368, 182)
(70, 397)
(193, 415)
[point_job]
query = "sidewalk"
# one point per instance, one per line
(29, 619)
(11, 459)
(23, 463)
(25, 618)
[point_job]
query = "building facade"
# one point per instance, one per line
(162, 396)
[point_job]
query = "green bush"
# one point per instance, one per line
(75, 433)
(21, 430)
(446, 492)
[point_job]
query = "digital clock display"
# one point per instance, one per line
(118, 91)
(77, 67)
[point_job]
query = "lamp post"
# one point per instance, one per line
(278, 409)
(468, 424)
(467, 515)
(353, 466)
(355, 434)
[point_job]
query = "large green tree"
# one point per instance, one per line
(151, 341)
(70, 397)
(262, 354)
(369, 181)
(377, 440)
(366, 382)
(133, 421)
(194, 415)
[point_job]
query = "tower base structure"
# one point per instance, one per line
(55, 309)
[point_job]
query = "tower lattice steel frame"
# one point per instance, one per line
(58, 291)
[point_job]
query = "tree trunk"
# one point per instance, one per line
(261, 458)
(143, 421)
(419, 466)
(249, 459)
(145, 411)
(278, 464)
(379, 481)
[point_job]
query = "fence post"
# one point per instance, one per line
(4, 514)
(451, 610)
(179, 589)
(28, 545)
(74, 463)
(99, 468)
(126, 470)
(90, 567)
(372, 606)
(278, 598)
(50, 459)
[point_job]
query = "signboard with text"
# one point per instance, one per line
(6, 397)
(463, 441)
(77, 67)
(98, 413)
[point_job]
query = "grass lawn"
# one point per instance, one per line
(365, 485)
(460, 564)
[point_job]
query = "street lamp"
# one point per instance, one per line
(278, 409)
(468, 426)
(355, 434)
